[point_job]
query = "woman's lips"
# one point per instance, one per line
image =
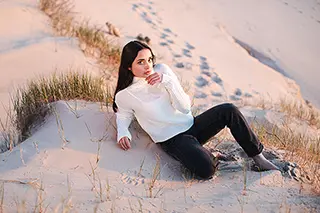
(148, 72)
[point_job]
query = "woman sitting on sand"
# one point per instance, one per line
(152, 93)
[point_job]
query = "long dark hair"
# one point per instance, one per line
(125, 76)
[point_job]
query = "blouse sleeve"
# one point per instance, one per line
(124, 117)
(180, 100)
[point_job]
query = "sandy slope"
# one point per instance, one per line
(28, 48)
(41, 158)
(214, 64)
(288, 31)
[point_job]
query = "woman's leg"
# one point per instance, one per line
(215, 119)
(212, 121)
(187, 150)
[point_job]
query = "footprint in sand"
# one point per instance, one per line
(234, 98)
(206, 73)
(201, 82)
(238, 92)
(189, 46)
(215, 78)
(170, 32)
(179, 65)
(204, 66)
(177, 56)
(132, 180)
(294, 171)
(164, 36)
(216, 94)
(170, 41)
(198, 94)
(237, 95)
(185, 65)
(148, 14)
(232, 160)
(247, 95)
(186, 53)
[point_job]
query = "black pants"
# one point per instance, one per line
(187, 147)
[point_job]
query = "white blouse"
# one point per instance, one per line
(163, 110)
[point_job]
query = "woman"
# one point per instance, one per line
(153, 94)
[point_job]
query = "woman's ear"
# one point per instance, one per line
(129, 68)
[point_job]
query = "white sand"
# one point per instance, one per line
(28, 48)
(41, 158)
(217, 68)
(286, 31)
(201, 44)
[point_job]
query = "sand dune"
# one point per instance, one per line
(83, 169)
(45, 159)
(29, 48)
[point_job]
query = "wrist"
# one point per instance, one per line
(123, 138)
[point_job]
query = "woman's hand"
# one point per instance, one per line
(124, 143)
(154, 78)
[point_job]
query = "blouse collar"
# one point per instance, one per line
(138, 80)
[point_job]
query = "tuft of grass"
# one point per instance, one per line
(244, 191)
(1, 196)
(60, 126)
(155, 176)
(74, 110)
(20, 205)
(108, 188)
(32, 103)
(66, 204)
(102, 192)
(92, 39)
(40, 199)
(141, 165)
(93, 175)
(301, 110)
(292, 108)
(8, 137)
(241, 202)
(300, 148)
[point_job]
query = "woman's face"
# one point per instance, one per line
(142, 65)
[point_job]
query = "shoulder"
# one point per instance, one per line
(165, 69)
(162, 68)
(121, 96)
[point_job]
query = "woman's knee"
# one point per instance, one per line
(196, 158)
(205, 170)
(204, 166)
(229, 106)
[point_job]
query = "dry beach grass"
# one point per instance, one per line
(92, 39)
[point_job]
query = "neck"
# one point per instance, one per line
(137, 79)
(140, 79)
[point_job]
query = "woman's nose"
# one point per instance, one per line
(147, 66)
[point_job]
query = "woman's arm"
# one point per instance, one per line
(124, 117)
(180, 100)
